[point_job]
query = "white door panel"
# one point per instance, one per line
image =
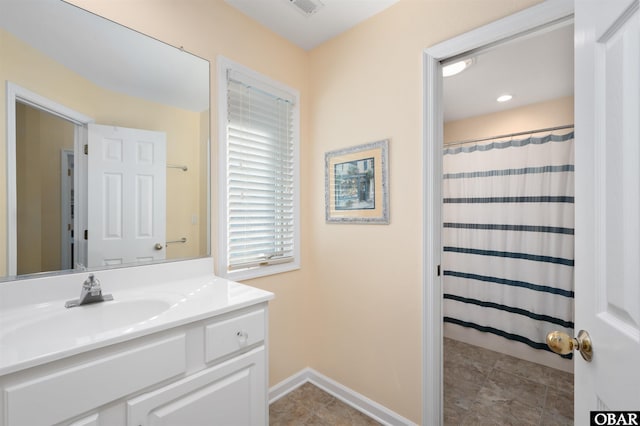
(608, 203)
(126, 195)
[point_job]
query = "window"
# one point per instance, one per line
(259, 174)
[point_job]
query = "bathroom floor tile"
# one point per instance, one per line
(503, 412)
(560, 380)
(460, 396)
(309, 405)
(559, 404)
(502, 386)
(535, 372)
(286, 411)
(549, 419)
(496, 389)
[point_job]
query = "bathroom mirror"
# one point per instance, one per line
(106, 135)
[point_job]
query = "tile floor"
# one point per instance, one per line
(308, 405)
(482, 387)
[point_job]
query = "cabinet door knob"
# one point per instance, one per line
(242, 336)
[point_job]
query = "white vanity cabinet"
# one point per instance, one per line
(229, 392)
(212, 371)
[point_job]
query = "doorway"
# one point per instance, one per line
(69, 123)
(508, 231)
(506, 30)
(125, 209)
(44, 190)
(67, 198)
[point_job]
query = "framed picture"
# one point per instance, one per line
(357, 185)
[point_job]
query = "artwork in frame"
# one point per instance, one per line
(357, 184)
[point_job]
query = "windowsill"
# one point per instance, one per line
(249, 274)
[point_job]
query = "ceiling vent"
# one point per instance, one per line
(306, 7)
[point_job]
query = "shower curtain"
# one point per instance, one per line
(508, 237)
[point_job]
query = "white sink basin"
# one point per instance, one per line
(87, 319)
(36, 328)
(83, 324)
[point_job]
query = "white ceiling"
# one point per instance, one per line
(111, 56)
(533, 69)
(309, 31)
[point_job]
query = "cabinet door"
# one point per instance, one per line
(231, 393)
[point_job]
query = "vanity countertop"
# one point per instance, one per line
(37, 333)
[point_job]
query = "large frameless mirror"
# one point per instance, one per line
(106, 135)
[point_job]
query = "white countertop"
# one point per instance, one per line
(37, 333)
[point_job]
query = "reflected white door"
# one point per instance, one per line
(608, 204)
(126, 195)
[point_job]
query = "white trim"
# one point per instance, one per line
(507, 28)
(80, 184)
(289, 384)
(432, 389)
(224, 64)
(15, 93)
(65, 209)
(511, 26)
(350, 397)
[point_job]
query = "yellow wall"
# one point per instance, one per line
(366, 296)
(353, 312)
(184, 129)
(40, 138)
(556, 112)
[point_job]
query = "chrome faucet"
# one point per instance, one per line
(91, 293)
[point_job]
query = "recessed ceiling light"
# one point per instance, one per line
(456, 67)
(504, 98)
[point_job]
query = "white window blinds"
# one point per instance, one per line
(260, 174)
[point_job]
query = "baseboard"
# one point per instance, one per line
(289, 384)
(343, 393)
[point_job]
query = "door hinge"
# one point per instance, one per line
(86, 234)
(438, 270)
(86, 149)
(68, 172)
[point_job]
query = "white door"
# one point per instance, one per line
(126, 195)
(607, 240)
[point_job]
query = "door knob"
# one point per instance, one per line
(563, 344)
(158, 246)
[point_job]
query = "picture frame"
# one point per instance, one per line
(357, 184)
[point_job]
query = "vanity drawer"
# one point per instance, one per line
(234, 334)
(69, 392)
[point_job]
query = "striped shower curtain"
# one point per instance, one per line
(508, 237)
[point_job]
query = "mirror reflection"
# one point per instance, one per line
(107, 142)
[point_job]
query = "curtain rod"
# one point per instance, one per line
(509, 135)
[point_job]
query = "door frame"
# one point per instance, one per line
(65, 207)
(502, 30)
(16, 93)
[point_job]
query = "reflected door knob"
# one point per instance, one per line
(563, 344)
